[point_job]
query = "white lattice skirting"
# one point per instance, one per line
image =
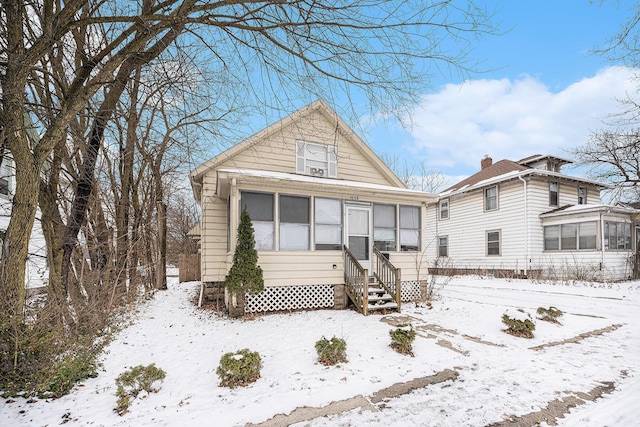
(278, 298)
(410, 291)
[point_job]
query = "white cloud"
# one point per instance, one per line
(506, 119)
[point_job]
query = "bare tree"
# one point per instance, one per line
(70, 63)
(417, 175)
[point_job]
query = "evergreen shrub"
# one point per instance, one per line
(550, 314)
(402, 338)
(239, 369)
(519, 323)
(130, 383)
(331, 352)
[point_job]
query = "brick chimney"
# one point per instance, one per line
(485, 162)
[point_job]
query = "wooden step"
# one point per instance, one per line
(376, 298)
(385, 306)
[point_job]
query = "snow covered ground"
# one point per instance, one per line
(500, 376)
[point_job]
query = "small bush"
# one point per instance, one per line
(402, 339)
(519, 323)
(71, 371)
(550, 314)
(331, 352)
(239, 369)
(130, 383)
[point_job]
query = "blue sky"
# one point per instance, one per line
(544, 92)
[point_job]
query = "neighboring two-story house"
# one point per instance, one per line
(324, 208)
(528, 219)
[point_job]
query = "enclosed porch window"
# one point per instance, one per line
(259, 206)
(294, 223)
(328, 224)
(384, 227)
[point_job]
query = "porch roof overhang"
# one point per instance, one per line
(343, 189)
(572, 210)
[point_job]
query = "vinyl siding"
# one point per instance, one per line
(278, 152)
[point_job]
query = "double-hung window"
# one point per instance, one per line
(444, 209)
(294, 223)
(259, 206)
(328, 224)
(491, 198)
(493, 242)
(553, 193)
(316, 159)
(409, 228)
(384, 227)
(443, 246)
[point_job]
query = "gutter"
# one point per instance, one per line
(526, 227)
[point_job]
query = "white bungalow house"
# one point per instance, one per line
(326, 211)
(528, 219)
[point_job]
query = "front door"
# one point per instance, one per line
(359, 233)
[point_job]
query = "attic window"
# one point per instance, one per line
(316, 159)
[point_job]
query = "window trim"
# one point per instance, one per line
(396, 226)
(274, 217)
(331, 158)
(627, 226)
(447, 211)
(485, 198)
(499, 233)
(557, 193)
(418, 228)
(316, 223)
(446, 247)
(579, 236)
(584, 197)
(281, 222)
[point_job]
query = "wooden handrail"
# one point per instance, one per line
(388, 276)
(356, 279)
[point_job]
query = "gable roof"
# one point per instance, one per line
(316, 106)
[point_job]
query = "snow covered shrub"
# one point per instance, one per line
(402, 338)
(239, 369)
(519, 323)
(130, 383)
(331, 352)
(550, 314)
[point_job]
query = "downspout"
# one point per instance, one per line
(526, 227)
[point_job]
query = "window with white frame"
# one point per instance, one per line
(571, 236)
(316, 159)
(493, 242)
(259, 206)
(582, 195)
(443, 246)
(553, 193)
(444, 209)
(5, 176)
(409, 228)
(491, 198)
(294, 223)
(384, 227)
(617, 235)
(328, 224)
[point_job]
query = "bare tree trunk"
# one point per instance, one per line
(161, 277)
